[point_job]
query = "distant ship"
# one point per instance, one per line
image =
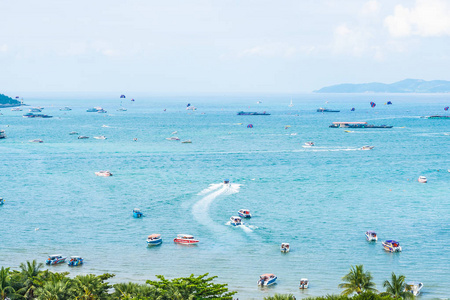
(31, 115)
(436, 117)
(246, 113)
(326, 110)
(356, 125)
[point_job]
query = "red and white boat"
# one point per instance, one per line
(185, 239)
(422, 179)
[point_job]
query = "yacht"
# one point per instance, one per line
(371, 236)
(154, 239)
(235, 221)
(285, 247)
(103, 173)
(244, 213)
(75, 261)
(366, 147)
(422, 179)
(414, 287)
(304, 284)
(267, 279)
(122, 109)
(185, 239)
(101, 137)
(55, 259)
(392, 246)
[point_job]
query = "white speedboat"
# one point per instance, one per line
(103, 173)
(304, 284)
(244, 213)
(371, 236)
(235, 221)
(185, 239)
(414, 287)
(422, 179)
(101, 137)
(154, 239)
(173, 138)
(187, 142)
(73, 133)
(366, 147)
(36, 141)
(285, 247)
(267, 279)
(391, 246)
(308, 144)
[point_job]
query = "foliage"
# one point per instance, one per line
(280, 297)
(357, 281)
(8, 100)
(396, 288)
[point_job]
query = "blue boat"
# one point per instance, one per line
(154, 239)
(2, 201)
(267, 279)
(235, 221)
(252, 113)
(391, 246)
(137, 213)
(75, 261)
(55, 259)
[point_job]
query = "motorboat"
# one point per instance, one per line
(55, 259)
(73, 133)
(422, 179)
(321, 109)
(371, 236)
(2, 134)
(244, 213)
(101, 137)
(122, 109)
(392, 246)
(185, 239)
(285, 247)
(258, 102)
(137, 213)
(187, 142)
(414, 287)
(31, 115)
(75, 261)
(96, 109)
(83, 137)
(154, 239)
(304, 283)
(226, 182)
(16, 109)
(235, 221)
(101, 111)
(366, 147)
(173, 138)
(2, 201)
(308, 144)
(65, 108)
(35, 109)
(103, 173)
(36, 141)
(267, 279)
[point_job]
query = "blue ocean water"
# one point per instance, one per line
(321, 199)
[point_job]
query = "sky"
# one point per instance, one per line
(219, 46)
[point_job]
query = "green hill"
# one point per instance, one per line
(6, 101)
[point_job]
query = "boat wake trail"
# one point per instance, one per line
(200, 210)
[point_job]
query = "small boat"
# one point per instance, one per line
(101, 137)
(101, 111)
(187, 142)
(252, 113)
(83, 137)
(185, 239)
(137, 213)
(267, 279)
(173, 138)
(258, 102)
(422, 179)
(321, 109)
(154, 239)
(244, 213)
(2, 201)
(73, 133)
(16, 109)
(291, 104)
(36, 141)
(226, 182)
(31, 115)
(304, 284)
(366, 147)
(75, 261)
(65, 108)
(414, 287)
(285, 247)
(103, 173)
(2, 134)
(235, 221)
(122, 109)
(371, 236)
(392, 246)
(175, 132)
(35, 109)
(308, 144)
(55, 259)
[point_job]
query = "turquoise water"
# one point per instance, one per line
(321, 200)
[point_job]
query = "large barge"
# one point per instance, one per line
(356, 125)
(326, 110)
(247, 113)
(31, 115)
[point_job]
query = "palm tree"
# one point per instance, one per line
(6, 290)
(396, 288)
(280, 297)
(30, 270)
(55, 290)
(357, 281)
(89, 287)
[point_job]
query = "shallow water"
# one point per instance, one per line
(320, 199)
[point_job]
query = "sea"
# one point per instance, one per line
(320, 199)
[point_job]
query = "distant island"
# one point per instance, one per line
(404, 86)
(6, 101)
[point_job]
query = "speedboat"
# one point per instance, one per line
(36, 141)
(185, 239)
(2, 134)
(422, 179)
(154, 239)
(366, 147)
(244, 213)
(75, 261)
(103, 173)
(73, 133)
(308, 144)
(2, 201)
(101, 137)
(137, 213)
(83, 137)
(267, 279)
(35, 109)
(55, 259)
(65, 108)
(226, 182)
(173, 138)
(371, 236)
(285, 247)
(304, 283)
(16, 109)
(392, 246)
(187, 142)
(235, 221)
(414, 287)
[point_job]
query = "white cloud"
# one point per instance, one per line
(272, 50)
(3, 48)
(371, 7)
(426, 18)
(350, 41)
